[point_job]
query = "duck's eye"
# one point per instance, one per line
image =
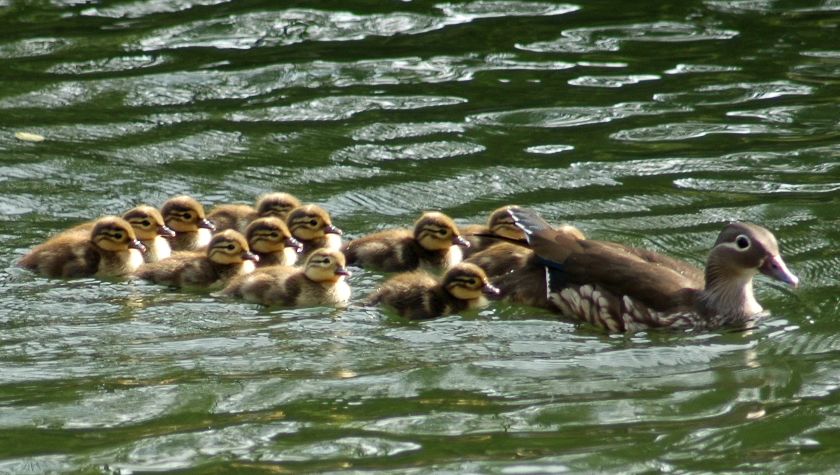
(230, 247)
(118, 235)
(146, 223)
(443, 232)
(273, 235)
(313, 222)
(742, 242)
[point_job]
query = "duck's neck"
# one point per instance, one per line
(728, 296)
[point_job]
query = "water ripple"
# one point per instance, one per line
(570, 116)
(724, 94)
(370, 154)
(609, 38)
(612, 81)
(691, 130)
(341, 107)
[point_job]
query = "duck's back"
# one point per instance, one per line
(388, 251)
(67, 255)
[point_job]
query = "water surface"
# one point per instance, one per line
(650, 124)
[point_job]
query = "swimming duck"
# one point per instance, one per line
(417, 295)
(238, 216)
(110, 249)
(624, 289)
(434, 244)
(185, 216)
(320, 282)
(271, 240)
(227, 256)
(312, 226)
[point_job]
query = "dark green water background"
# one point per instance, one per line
(646, 122)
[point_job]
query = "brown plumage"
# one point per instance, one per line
(149, 228)
(239, 216)
(418, 295)
(312, 226)
(109, 249)
(620, 288)
(185, 216)
(271, 240)
(227, 256)
(320, 282)
(434, 244)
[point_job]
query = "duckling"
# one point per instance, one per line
(501, 228)
(320, 282)
(149, 228)
(271, 240)
(501, 258)
(623, 289)
(237, 216)
(110, 249)
(418, 296)
(434, 245)
(227, 256)
(186, 217)
(312, 226)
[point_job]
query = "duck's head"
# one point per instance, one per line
(326, 265)
(147, 223)
(467, 281)
(310, 222)
(112, 233)
(502, 224)
(437, 232)
(230, 247)
(276, 204)
(744, 249)
(185, 215)
(269, 235)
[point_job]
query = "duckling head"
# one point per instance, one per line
(437, 232)
(269, 235)
(467, 281)
(184, 214)
(276, 204)
(310, 222)
(230, 247)
(326, 265)
(147, 223)
(112, 233)
(502, 224)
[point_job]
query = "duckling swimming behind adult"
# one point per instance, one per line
(110, 249)
(271, 240)
(226, 257)
(239, 216)
(320, 282)
(417, 295)
(312, 226)
(185, 216)
(434, 244)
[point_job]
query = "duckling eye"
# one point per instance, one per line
(187, 216)
(443, 232)
(742, 242)
(146, 223)
(313, 222)
(273, 234)
(117, 235)
(230, 247)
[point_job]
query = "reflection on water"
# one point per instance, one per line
(650, 125)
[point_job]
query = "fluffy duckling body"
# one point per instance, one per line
(417, 295)
(110, 249)
(501, 258)
(271, 240)
(320, 282)
(226, 257)
(185, 216)
(434, 244)
(312, 226)
(149, 228)
(624, 289)
(238, 216)
(501, 228)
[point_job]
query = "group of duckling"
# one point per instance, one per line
(285, 253)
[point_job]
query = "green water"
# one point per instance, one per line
(650, 123)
